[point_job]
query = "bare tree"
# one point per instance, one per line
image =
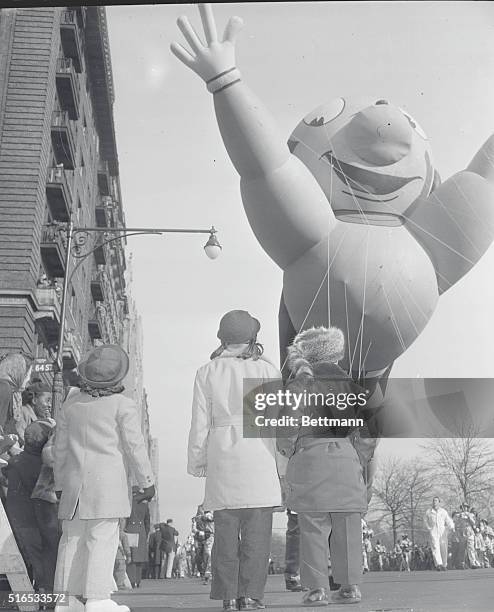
(391, 493)
(418, 485)
(465, 466)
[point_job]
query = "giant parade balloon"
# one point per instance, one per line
(350, 207)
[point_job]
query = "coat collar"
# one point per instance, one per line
(326, 369)
(233, 350)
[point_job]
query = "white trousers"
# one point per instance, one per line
(86, 557)
(167, 564)
(439, 547)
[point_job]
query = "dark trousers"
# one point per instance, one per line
(240, 556)
(134, 572)
(154, 570)
(345, 547)
(50, 532)
(38, 542)
(292, 546)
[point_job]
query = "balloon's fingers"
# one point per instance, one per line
(233, 27)
(183, 55)
(190, 34)
(208, 23)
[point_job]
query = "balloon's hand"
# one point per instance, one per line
(213, 58)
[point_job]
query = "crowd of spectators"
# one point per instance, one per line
(27, 490)
(26, 460)
(470, 546)
(168, 558)
(27, 485)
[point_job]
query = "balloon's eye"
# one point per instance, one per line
(325, 113)
(381, 102)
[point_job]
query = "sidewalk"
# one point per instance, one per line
(452, 591)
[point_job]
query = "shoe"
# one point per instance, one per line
(230, 605)
(104, 605)
(316, 597)
(333, 586)
(247, 603)
(292, 583)
(347, 595)
(73, 605)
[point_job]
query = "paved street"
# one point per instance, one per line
(453, 591)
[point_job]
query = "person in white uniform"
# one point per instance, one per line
(438, 522)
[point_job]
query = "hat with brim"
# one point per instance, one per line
(39, 387)
(105, 366)
(237, 327)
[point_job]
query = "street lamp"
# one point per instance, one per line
(76, 240)
(212, 246)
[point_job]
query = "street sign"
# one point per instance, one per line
(43, 365)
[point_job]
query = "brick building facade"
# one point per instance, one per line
(58, 161)
(58, 158)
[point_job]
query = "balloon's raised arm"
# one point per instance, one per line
(286, 208)
(260, 148)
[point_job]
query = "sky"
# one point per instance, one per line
(435, 59)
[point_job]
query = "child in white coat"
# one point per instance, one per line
(98, 440)
(242, 484)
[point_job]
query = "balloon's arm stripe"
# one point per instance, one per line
(221, 74)
(217, 91)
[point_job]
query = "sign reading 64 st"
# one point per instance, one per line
(43, 365)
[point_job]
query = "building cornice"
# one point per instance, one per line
(101, 83)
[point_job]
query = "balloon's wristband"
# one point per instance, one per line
(223, 80)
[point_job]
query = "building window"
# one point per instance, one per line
(79, 210)
(72, 297)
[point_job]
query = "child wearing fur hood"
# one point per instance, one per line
(324, 478)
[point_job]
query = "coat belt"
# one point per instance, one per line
(227, 421)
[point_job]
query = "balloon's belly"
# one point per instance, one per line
(377, 284)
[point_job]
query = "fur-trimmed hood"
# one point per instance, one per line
(315, 345)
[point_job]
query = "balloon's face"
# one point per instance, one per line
(370, 158)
